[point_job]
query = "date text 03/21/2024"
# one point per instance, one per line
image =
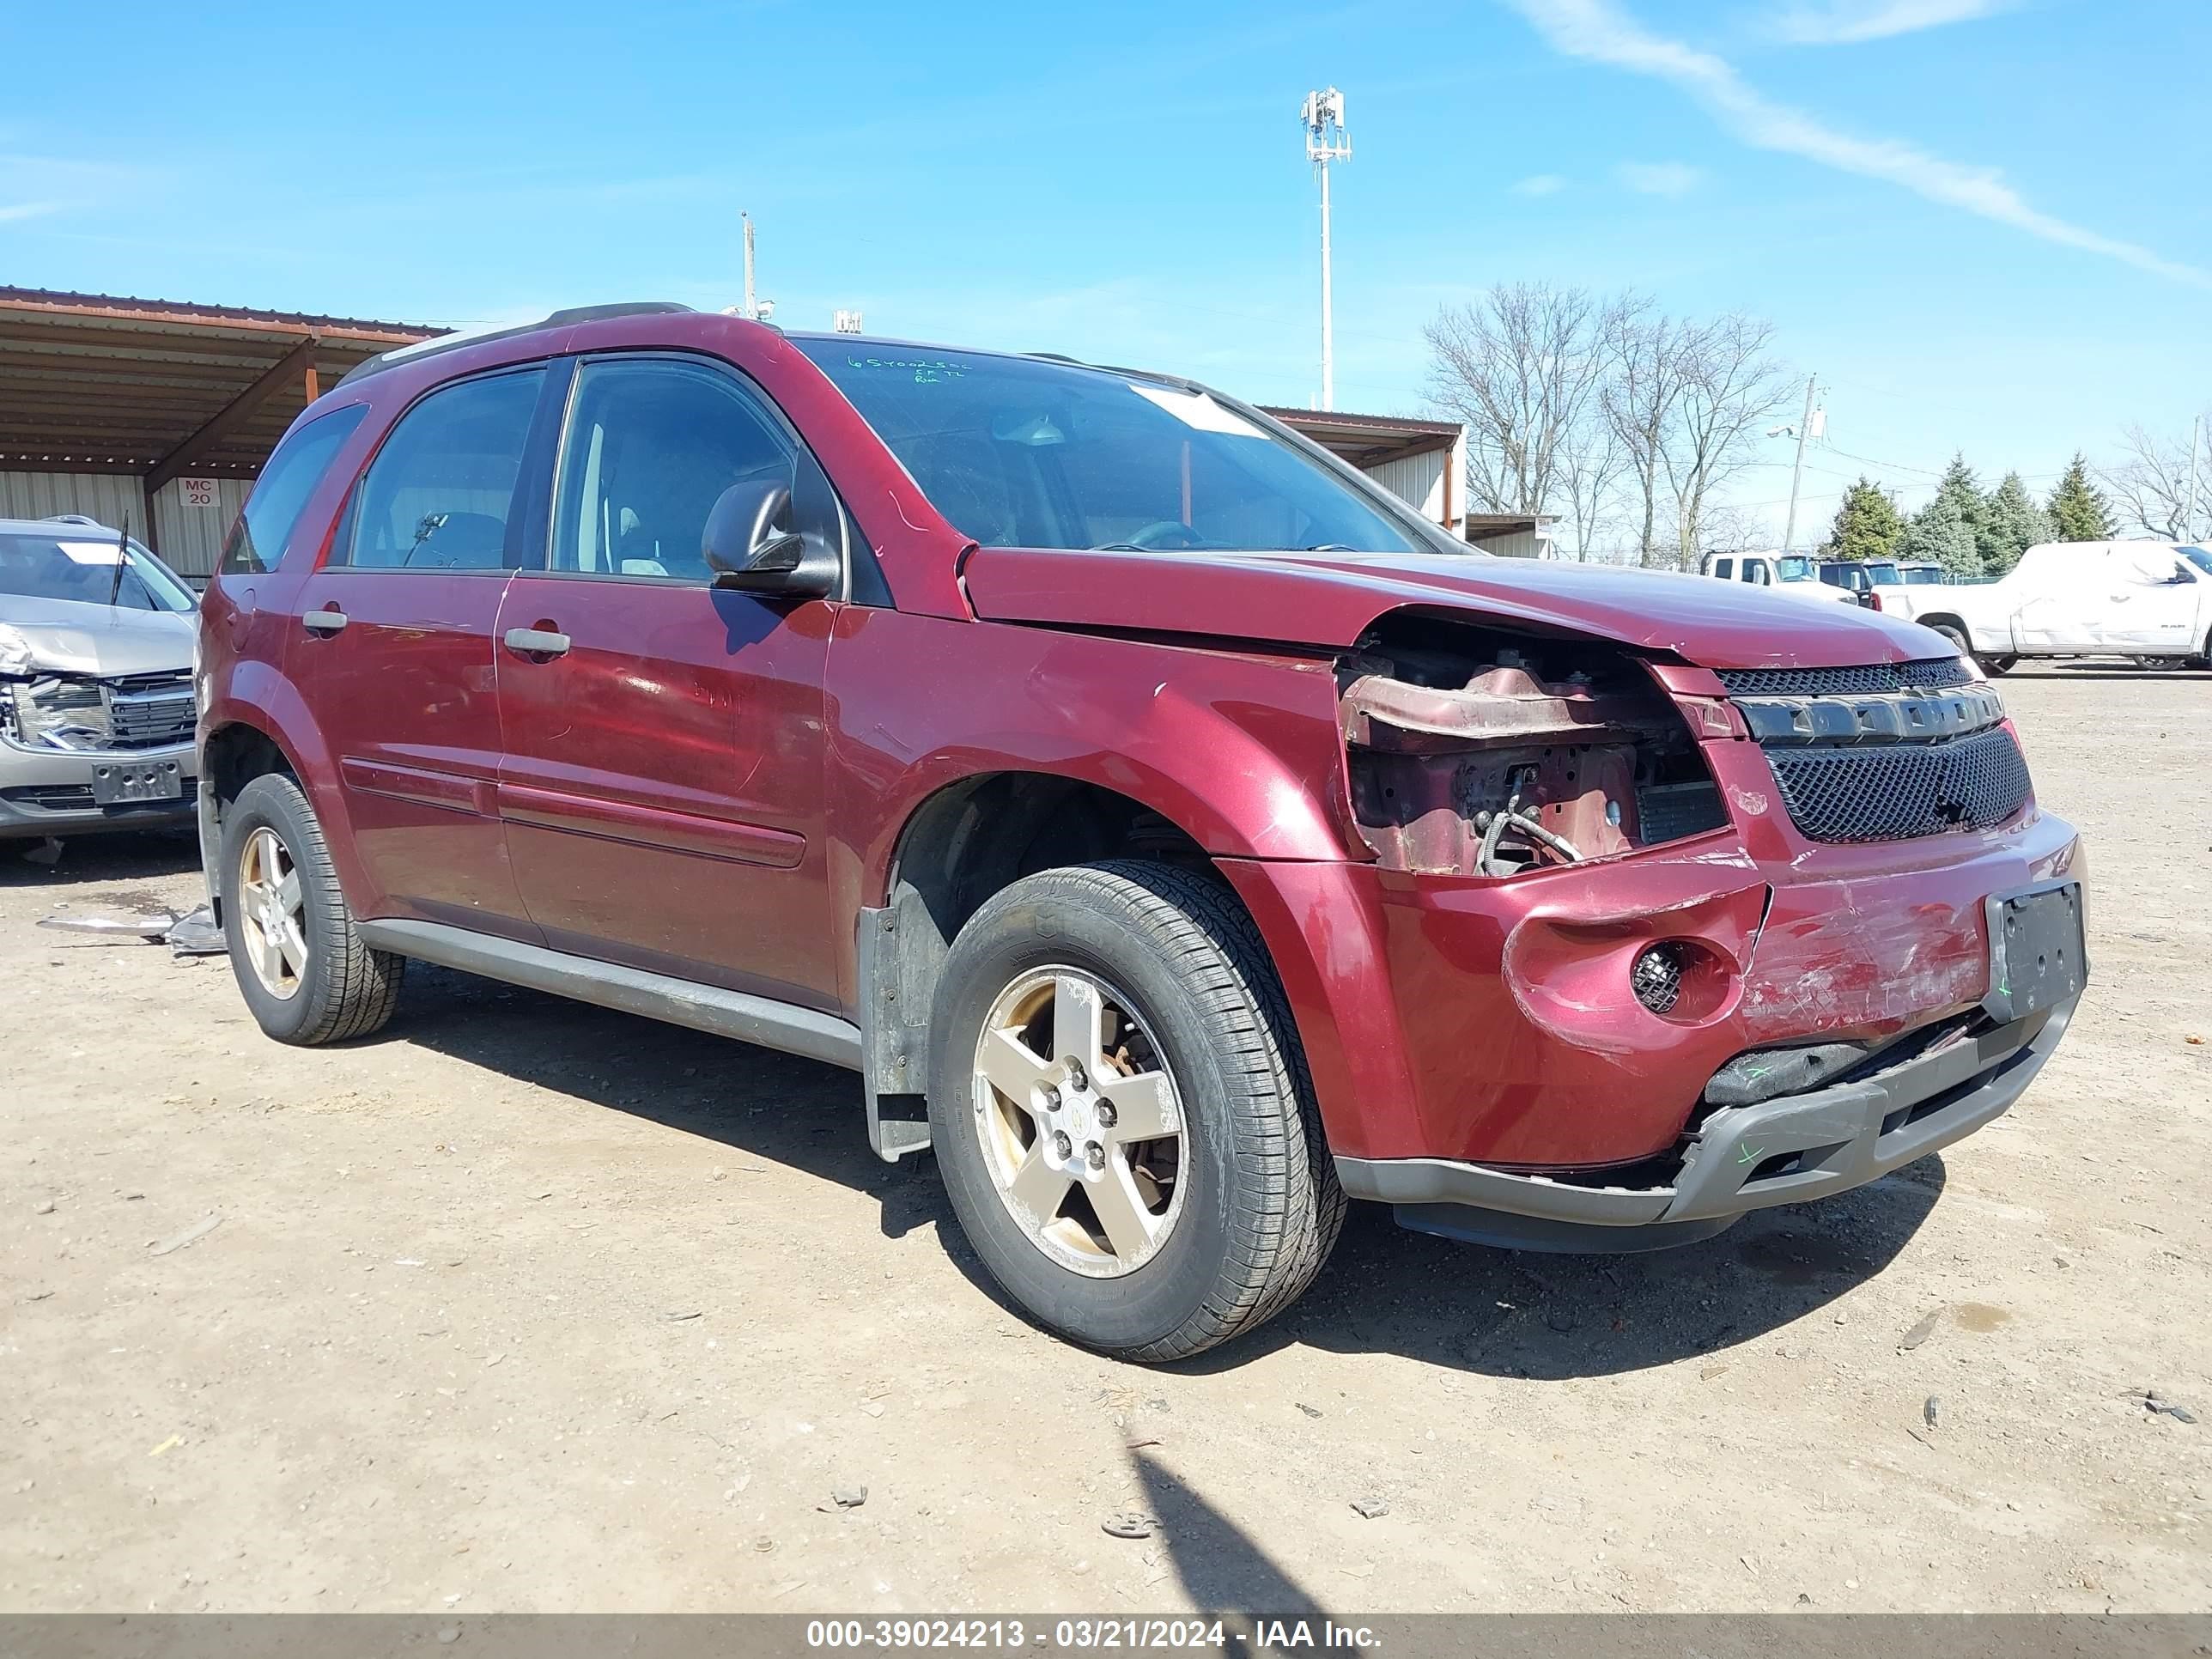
(1085, 1635)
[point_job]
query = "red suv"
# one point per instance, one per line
(1176, 833)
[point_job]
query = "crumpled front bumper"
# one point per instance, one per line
(1785, 1151)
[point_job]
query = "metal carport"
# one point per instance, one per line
(157, 411)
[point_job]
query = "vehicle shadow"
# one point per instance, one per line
(117, 855)
(1518, 1313)
(786, 1109)
(1460, 1306)
(2105, 670)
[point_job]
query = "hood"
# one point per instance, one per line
(67, 636)
(1331, 599)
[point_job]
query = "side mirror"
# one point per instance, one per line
(750, 547)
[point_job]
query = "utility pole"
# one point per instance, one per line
(751, 310)
(1327, 141)
(2189, 515)
(1798, 472)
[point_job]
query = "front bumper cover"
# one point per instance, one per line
(1785, 1151)
(48, 792)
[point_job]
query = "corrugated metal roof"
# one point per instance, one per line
(1368, 440)
(108, 383)
(188, 311)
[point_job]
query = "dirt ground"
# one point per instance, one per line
(524, 1306)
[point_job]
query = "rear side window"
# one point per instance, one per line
(258, 539)
(439, 494)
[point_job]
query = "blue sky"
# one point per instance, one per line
(1988, 225)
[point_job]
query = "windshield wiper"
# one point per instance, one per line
(1328, 547)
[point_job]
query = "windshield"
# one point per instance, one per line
(79, 565)
(2197, 556)
(1923, 576)
(1794, 570)
(1017, 452)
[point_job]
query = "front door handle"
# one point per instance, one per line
(536, 642)
(323, 622)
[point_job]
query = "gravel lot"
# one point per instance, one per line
(525, 1306)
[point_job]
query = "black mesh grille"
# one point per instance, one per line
(1896, 792)
(1656, 978)
(1928, 674)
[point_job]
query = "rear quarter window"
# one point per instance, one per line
(258, 539)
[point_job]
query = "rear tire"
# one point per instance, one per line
(300, 964)
(1237, 1201)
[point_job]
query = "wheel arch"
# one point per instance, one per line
(258, 725)
(965, 840)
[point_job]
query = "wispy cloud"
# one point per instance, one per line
(1539, 183)
(10, 212)
(1843, 22)
(1600, 32)
(1659, 177)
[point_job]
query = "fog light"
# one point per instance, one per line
(1656, 977)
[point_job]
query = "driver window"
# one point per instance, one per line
(1754, 571)
(650, 445)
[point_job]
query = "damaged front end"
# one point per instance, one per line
(1474, 752)
(82, 714)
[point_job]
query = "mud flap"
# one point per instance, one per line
(894, 1034)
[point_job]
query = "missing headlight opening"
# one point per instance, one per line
(1476, 752)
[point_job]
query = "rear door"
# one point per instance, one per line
(663, 783)
(392, 649)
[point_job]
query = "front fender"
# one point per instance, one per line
(1238, 750)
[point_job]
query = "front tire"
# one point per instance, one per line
(302, 966)
(1120, 1113)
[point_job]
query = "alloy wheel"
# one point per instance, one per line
(1081, 1125)
(271, 913)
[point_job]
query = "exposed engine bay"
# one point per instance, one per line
(1477, 752)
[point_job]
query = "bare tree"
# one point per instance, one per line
(1731, 388)
(1642, 388)
(2151, 485)
(1595, 462)
(1522, 367)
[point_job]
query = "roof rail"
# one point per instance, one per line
(454, 341)
(73, 518)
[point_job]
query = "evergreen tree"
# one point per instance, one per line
(1948, 529)
(1868, 526)
(2011, 523)
(1941, 532)
(2078, 510)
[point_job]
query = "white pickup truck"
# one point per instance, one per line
(1793, 574)
(2148, 600)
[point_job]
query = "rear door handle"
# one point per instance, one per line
(536, 642)
(323, 622)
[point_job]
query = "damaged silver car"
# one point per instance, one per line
(96, 707)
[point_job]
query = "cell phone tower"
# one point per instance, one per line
(1327, 141)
